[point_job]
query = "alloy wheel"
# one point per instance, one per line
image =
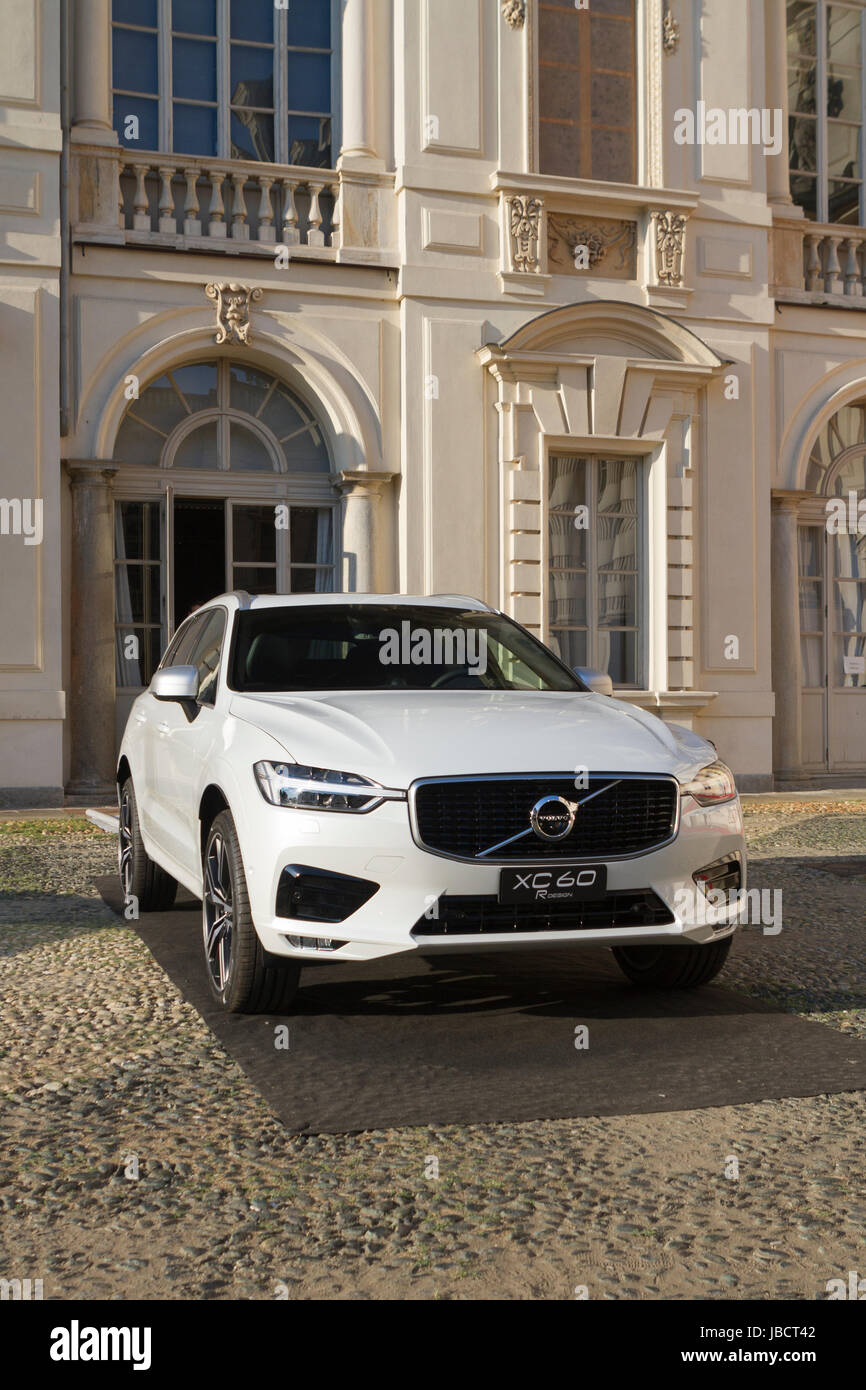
(124, 845)
(218, 912)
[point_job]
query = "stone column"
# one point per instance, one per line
(92, 690)
(775, 67)
(785, 607)
(367, 543)
(357, 60)
(91, 72)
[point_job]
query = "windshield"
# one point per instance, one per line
(373, 646)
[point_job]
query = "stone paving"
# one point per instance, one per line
(106, 1074)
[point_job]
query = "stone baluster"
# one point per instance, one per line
(141, 212)
(336, 238)
(216, 226)
(266, 211)
(315, 235)
(240, 226)
(191, 219)
(291, 231)
(832, 270)
(814, 271)
(167, 219)
(853, 283)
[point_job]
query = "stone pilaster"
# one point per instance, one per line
(92, 688)
(367, 543)
(785, 602)
(91, 68)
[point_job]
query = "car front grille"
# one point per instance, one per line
(464, 817)
(479, 916)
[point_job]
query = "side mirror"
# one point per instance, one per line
(598, 681)
(175, 683)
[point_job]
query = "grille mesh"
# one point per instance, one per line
(463, 818)
(477, 916)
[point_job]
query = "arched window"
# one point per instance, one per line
(223, 415)
(833, 557)
(224, 482)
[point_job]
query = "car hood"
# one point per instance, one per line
(395, 736)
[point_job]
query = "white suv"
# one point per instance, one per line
(346, 776)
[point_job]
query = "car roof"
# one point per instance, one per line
(240, 599)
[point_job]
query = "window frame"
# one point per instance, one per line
(639, 97)
(595, 452)
(165, 98)
(821, 118)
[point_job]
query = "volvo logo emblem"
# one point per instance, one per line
(552, 818)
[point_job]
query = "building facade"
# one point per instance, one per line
(557, 304)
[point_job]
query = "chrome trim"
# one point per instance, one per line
(534, 776)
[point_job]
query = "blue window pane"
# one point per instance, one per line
(193, 16)
(141, 12)
(310, 141)
(309, 24)
(309, 82)
(198, 384)
(143, 133)
(135, 61)
(254, 19)
(195, 129)
(253, 69)
(252, 136)
(193, 67)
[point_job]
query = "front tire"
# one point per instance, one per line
(243, 977)
(683, 966)
(141, 879)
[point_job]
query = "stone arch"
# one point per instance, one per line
(307, 362)
(609, 326)
(844, 385)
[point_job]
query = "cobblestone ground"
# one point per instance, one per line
(101, 1061)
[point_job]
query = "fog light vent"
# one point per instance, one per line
(315, 895)
(723, 875)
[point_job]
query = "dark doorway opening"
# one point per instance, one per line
(199, 552)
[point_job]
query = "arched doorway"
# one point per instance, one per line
(832, 597)
(224, 481)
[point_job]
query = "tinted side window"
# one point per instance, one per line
(177, 651)
(205, 653)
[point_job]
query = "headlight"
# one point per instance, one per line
(319, 789)
(713, 784)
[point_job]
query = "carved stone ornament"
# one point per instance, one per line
(524, 224)
(670, 246)
(233, 311)
(605, 239)
(670, 33)
(514, 13)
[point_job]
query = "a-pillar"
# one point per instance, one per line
(367, 552)
(785, 606)
(92, 689)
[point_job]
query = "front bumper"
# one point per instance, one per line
(378, 846)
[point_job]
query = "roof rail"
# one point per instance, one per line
(467, 598)
(244, 599)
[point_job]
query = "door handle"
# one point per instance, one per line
(163, 727)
